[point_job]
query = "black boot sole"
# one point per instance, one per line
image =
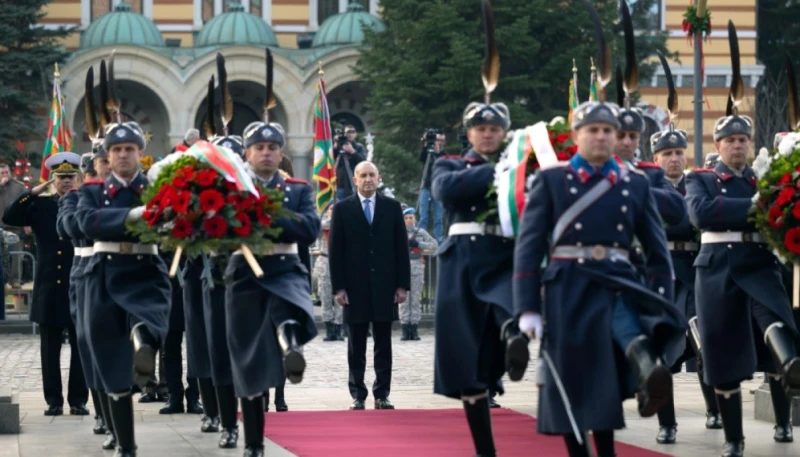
(656, 393)
(294, 365)
(517, 358)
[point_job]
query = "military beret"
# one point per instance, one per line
(483, 114)
(408, 211)
(87, 163)
(127, 132)
(631, 120)
(733, 125)
(594, 113)
(232, 142)
(668, 139)
(63, 164)
(261, 132)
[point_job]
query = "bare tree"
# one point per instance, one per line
(771, 107)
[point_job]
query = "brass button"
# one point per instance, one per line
(59, 267)
(58, 281)
(59, 252)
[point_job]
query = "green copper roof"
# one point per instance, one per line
(121, 26)
(345, 28)
(236, 27)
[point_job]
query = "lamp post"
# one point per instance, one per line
(698, 90)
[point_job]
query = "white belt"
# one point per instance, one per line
(125, 248)
(474, 228)
(84, 252)
(276, 249)
(682, 246)
(731, 237)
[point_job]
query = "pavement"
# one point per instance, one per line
(325, 388)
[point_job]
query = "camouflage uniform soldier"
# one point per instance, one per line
(419, 241)
(331, 312)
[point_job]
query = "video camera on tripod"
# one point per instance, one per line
(429, 141)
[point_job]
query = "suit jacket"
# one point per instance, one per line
(368, 261)
(50, 304)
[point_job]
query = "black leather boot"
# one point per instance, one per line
(208, 396)
(784, 349)
(713, 418)
(111, 439)
(479, 419)
(122, 415)
(293, 362)
(731, 411)
(174, 405)
(253, 420)
(280, 400)
(655, 380)
(330, 332)
(781, 404)
(99, 421)
(405, 336)
(145, 346)
(667, 426)
(517, 353)
(228, 406)
(414, 334)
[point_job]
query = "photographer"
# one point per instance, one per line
(432, 148)
(347, 153)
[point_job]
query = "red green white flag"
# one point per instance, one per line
(59, 138)
(324, 171)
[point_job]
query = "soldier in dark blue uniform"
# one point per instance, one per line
(67, 228)
(740, 298)
(126, 282)
(669, 148)
(474, 284)
(50, 307)
(598, 318)
(265, 337)
(208, 358)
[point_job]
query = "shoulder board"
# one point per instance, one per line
(643, 164)
(452, 156)
(94, 181)
(703, 170)
(295, 181)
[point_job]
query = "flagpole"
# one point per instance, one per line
(698, 96)
(575, 77)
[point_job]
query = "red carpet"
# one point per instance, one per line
(417, 433)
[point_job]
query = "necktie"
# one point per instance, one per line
(368, 211)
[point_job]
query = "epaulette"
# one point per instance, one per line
(94, 181)
(644, 164)
(296, 181)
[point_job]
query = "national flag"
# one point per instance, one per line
(59, 138)
(224, 161)
(593, 93)
(324, 171)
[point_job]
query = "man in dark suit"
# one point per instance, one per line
(50, 306)
(371, 274)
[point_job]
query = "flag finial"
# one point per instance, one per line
(56, 72)
(574, 66)
(320, 68)
(593, 69)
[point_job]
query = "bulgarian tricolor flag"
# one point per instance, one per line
(226, 163)
(511, 178)
(59, 138)
(324, 171)
(573, 97)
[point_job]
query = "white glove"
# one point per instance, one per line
(135, 214)
(531, 323)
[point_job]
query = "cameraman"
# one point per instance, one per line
(432, 148)
(347, 153)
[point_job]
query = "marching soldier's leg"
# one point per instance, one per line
(121, 408)
(228, 405)
(99, 420)
(209, 398)
(479, 418)
(253, 420)
(280, 399)
(604, 443)
(654, 379)
(782, 407)
(283, 317)
(729, 399)
(667, 425)
(713, 418)
(784, 350)
(575, 449)
(145, 346)
(105, 406)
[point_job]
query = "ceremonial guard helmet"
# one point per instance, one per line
(630, 118)
(477, 113)
(671, 138)
(732, 123)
